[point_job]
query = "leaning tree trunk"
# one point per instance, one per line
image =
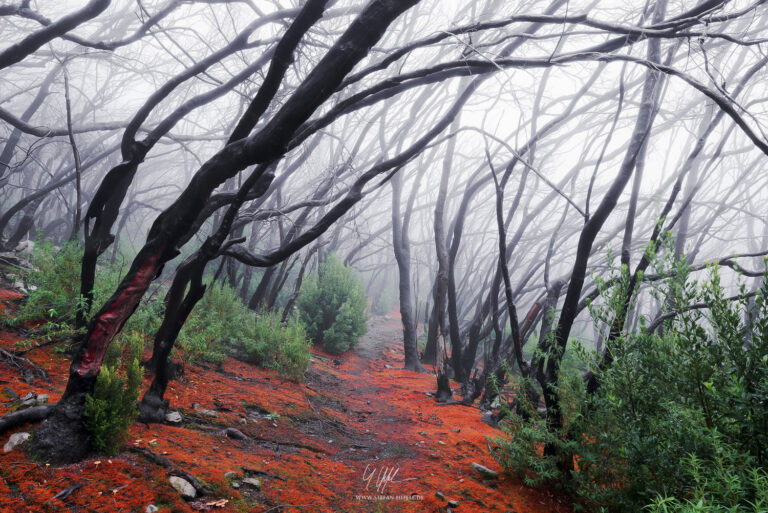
(402, 251)
(556, 350)
(62, 437)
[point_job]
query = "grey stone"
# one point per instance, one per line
(440, 495)
(15, 440)
(252, 481)
(42, 399)
(173, 417)
(231, 475)
(25, 246)
(151, 509)
(184, 487)
(485, 471)
(29, 399)
(236, 434)
(453, 504)
(207, 413)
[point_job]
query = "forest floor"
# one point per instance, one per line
(358, 421)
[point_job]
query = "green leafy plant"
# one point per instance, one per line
(222, 325)
(111, 409)
(680, 420)
(332, 306)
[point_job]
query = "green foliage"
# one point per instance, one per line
(54, 296)
(55, 278)
(221, 324)
(680, 420)
(293, 352)
(111, 409)
(332, 306)
(218, 320)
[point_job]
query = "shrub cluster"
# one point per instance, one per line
(222, 325)
(332, 306)
(111, 409)
(680, 421)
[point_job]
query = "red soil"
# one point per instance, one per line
(361, 412)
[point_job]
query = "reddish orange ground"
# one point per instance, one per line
(344, 418)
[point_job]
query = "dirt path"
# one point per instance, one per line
(358, 421)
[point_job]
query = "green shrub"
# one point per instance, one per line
(680, 421)
(111, 410)
(221, 324)
(54, 281)
(54, 296)
(332, 306)
(270, 344)
(293, 353)
(218, 321)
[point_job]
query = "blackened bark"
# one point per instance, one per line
(18, 51)
(556, 349)
(401, 247)
(173, 223)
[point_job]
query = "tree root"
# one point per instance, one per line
(17, 418)
(163, 462)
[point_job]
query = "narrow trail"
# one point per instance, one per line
(358, 422)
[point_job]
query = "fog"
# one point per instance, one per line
(249, 139)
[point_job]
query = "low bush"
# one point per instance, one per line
(332, 306)
(680, 421)
(111, 409)
(54, 297)
(221, 324)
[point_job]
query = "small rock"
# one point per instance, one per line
(387, 366)
(253, 482)
(15, 440)
(173, 417)
(42, 399)
(235, 434)
(440, 495)
(208, 413)
(485, 471)
(29, 399)
(25, 246)
(184, 487)
(453, 504)
(231, 475)
(441, 442)
(235, 485)
(151, 509)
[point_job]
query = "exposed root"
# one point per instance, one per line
(17, 418)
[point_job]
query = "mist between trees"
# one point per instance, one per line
(483, 165)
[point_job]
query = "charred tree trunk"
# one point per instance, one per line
(402, 251)
(61, 437)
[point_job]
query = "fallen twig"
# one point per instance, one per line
(163, 462)
(66, 492)
(20, 363)
(256, 472)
